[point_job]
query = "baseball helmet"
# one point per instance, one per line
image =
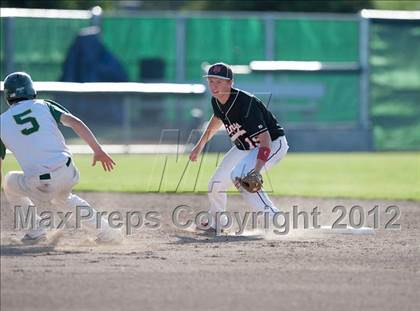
(18, 85)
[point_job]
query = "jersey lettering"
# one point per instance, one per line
(235, 131)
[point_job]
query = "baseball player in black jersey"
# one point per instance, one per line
(259, 141)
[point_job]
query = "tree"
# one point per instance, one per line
(343, 6)
(332, 6)
(58, 4)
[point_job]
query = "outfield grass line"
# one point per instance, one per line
(388, 176)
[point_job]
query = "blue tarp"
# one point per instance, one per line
(88, 60)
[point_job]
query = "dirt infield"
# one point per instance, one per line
(173, 269)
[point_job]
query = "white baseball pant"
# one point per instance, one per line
(237, 163)
(24, 191)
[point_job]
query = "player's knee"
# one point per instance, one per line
(235, 180)
(217, 184)
(213, 185)
(235, 174)
(10, 180)
(73, 201)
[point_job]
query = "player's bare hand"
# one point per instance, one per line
(195, 152)
(105, 159)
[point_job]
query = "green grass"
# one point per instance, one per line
(347, 175)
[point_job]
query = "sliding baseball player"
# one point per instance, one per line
(29, 129)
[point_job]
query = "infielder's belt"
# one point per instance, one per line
(48, 175)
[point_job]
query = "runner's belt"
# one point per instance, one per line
(48, 175)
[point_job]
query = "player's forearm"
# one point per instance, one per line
(82, 131)
(211, 130)
(86, 134)
(265, 140)
(259, 165)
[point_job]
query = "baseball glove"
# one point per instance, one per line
(252, 182)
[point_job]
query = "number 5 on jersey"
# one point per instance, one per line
(22, 119)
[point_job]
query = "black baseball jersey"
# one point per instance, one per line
(245, 117)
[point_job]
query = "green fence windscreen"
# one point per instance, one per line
(41, 44)
(317, 40)
(134, 38)
(234, 41)
(318, 98)
(303, 98)
(395, 84)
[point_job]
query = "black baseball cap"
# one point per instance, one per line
(221, 71)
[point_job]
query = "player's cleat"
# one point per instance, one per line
(34, 237)
(205, 228)
(209, 230)
(110, 236)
